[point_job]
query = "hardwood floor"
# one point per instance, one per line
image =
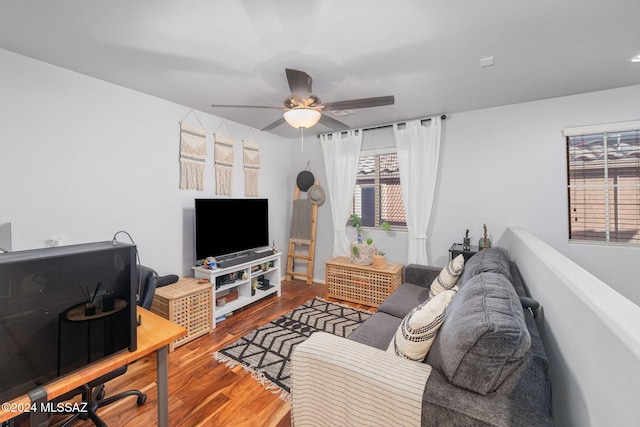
(203, 392)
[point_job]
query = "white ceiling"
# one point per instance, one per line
(425, 53)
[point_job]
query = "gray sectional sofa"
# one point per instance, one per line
(486, 366)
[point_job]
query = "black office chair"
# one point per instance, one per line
(93, 393)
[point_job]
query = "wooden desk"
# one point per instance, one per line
(154, 334)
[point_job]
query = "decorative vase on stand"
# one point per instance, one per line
(484, 244)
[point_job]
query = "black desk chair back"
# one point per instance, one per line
(93, 393)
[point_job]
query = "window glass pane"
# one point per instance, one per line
(365, 178)
(604, 190)
(391, 206)
(366, 167)
(377, 195)
(368, 210)
(588, 216)
(392, 209)
(586, 157)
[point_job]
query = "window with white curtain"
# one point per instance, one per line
(603, 165)
(377, 197)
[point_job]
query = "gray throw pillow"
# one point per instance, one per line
(483, 338)
(493, 260)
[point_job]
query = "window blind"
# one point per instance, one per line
(604, 184)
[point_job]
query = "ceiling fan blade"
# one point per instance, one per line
(332, 123)
(299, 83)
(353, 104)
(247, 106)
(274, 124)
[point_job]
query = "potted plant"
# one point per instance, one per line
(379, 259)
(363, 250)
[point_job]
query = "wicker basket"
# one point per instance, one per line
(361, 253)
(187, 303)
(361, 284)
(379, 262)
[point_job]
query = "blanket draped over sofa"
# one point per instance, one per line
(486, 366)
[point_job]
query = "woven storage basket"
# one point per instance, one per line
(188, 304)
(359, 283)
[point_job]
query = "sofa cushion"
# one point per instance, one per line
(418, 329)
(377, 331)
(494, 260)
(448, 276)
(406, 297)
(484, 337)
(421, 274)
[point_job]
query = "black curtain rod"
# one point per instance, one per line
(442, 117)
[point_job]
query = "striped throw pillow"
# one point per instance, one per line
(418, 329)
(448, 276)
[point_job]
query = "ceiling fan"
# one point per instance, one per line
(303, 109)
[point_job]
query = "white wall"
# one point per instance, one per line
(506, 166)
(81, 159)
(590, 335)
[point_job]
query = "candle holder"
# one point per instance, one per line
(89, 309)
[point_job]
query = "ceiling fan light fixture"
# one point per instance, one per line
(302, 117)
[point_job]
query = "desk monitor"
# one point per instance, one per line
(45, 331)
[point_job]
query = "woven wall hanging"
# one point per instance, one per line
(251, 167)
(223, 155)
(193, 153)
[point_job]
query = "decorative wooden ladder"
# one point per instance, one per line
(310, 253)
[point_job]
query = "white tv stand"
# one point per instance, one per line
(253, 270)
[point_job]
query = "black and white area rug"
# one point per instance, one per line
(266, 351)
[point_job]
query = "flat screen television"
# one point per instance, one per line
(230, 226)
(45, 331)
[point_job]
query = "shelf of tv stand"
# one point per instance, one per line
(243, 286)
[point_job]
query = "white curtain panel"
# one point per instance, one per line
(418, 148)
(341, 152)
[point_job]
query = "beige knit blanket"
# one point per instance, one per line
(338, 382)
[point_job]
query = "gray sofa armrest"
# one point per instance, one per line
(336, 381)
(519, 404)
(421, 275)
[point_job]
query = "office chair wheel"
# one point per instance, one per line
(141, 399)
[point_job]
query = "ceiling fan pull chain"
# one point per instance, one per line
(302, 139)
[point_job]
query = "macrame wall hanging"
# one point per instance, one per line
(193, 154)
(251, 167)
(223, 156)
